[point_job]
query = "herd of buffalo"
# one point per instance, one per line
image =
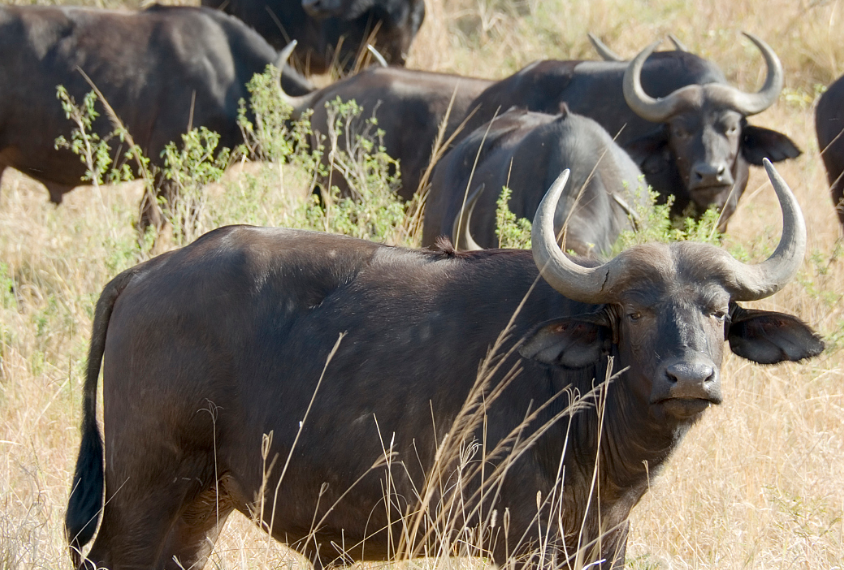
(311, 381)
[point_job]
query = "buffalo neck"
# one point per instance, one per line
(629, 445)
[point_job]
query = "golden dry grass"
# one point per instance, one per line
(756, 484)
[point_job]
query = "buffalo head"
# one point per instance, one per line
(667, 310)
(705, 131)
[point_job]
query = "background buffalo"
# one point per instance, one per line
(672, 111)
(526, 151)
(162, 70)
(829, 125)
(334, 31)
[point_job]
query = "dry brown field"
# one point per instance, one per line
(757, 483)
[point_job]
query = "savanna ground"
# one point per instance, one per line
(758, 483)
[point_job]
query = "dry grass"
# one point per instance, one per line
(757, 484)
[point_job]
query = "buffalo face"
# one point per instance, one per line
(665, 312)
(705, 145)
(705, 138)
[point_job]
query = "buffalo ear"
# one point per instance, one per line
(574, 342)
(758, 143)
(767, 337)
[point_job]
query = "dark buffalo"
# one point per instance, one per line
(161, 69)
(409, 106)
(672, 111)
(332, 31)
(526, 151)
(829, 124)
(221, 349)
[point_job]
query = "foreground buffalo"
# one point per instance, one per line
(332, 31)
(217, 351)
(161, 69)
(408, 105)
(672, 111)
(829, 125)
(526, 151)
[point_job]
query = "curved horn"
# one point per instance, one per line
(303, 102)
(744, 282)
(585, 284)
(762, 280)
(678, 45)
(377, 55)
(460, 228)
(603, 50)
(753, 103)
(654, 110)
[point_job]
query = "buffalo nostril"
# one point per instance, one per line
(690, 374)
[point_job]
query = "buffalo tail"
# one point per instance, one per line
(86, 495)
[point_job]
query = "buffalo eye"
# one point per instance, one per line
(718, 315)
(634, 316)
(730, 130)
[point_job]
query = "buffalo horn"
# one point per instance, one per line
(377, 55)
(659, 110)
(762, 280)
(584, 284)
(596, 284)
(678, 45)
(753, 103)
(655, 110)
(303, 102)
(460, 229)
(603, 50)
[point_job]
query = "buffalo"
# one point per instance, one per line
(332, 32)
(161, 70)
(228, 385)
(829, 124)
(527, 151)
(672, 111)
(408, 105)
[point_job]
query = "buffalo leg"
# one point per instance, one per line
(150, 213)
(57, 191)
(134, 529)
(152, 505)
(192, 538)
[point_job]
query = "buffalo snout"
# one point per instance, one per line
(687, 387)
(707, 174)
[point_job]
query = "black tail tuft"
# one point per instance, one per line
(86, 496)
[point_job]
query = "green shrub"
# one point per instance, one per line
(512, 232)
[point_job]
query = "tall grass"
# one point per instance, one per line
(756, 484)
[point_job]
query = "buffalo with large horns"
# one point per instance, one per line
(673, 111)
(222, 391)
